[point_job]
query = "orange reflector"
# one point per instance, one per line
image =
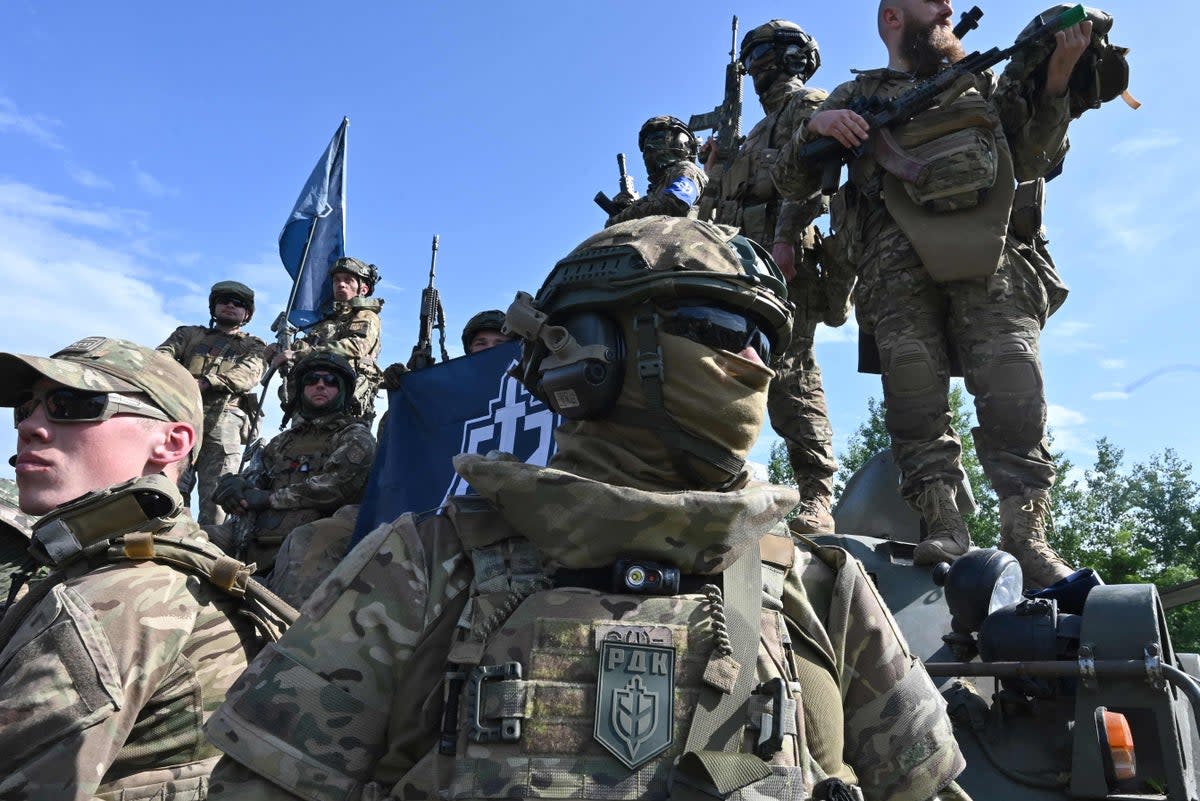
(1120, 745)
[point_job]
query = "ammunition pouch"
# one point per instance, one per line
(958, 169)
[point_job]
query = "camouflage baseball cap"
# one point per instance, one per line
(103, 364)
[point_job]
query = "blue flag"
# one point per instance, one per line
(465, 405)
(314, 236)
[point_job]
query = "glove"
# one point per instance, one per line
(257, 499)
(230, 491)
(391, 375)
(624, 200)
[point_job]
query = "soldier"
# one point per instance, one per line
(484, 330)
(580, 607)
(15, 527)
(351, 329)
(109, 666)
(780, 57)
(309, 471)
(669, 152)
(227, 364)
(937, 274)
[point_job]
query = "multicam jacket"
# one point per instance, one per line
(312, 469)
(231, 363)
(1034, 135)
(106, 679)
(748, 197)
(350, 703)
(674, 194)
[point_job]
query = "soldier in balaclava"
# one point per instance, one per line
(669, 151)
(635, 617)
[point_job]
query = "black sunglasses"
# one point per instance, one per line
(232, 301)
(314, 378)
(69, 405)
(717, 328)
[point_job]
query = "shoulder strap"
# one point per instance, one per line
(270, 614)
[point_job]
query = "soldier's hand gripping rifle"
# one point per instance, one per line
(881, 114)
(726, 121)
(627, 195)
(432, 316)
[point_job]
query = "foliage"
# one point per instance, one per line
(1132, 525)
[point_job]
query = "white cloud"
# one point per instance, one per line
(1112, 364)
(1062, 417)
(35, 126)
(21, 201)
(1110, 395)
(1150, 140)
(151, 185)
(86, 178)
(1124, 225)
(847, 332)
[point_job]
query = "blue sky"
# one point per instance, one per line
(154, 148)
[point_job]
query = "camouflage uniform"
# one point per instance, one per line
(311, 470)
(750, 201)
(352, 329)
(518, 584)
(404, 587)
(674, 193)
(992, 323)
(232, 364)
(14, 537)
(110, 665)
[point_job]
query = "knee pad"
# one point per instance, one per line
(915, 391)
(1008, 393)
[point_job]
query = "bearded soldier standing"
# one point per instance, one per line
(669, 151)
(351, 329)
(780, 57)
(227, 364)
(633, 622)
(937, 271)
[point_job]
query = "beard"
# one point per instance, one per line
(927, 48)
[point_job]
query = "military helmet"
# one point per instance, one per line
(665, 140)
(231, 289)
(795, 51)
(322, 360)
(490, 320)
(1100, 75)
(367, 273)
(620, 272)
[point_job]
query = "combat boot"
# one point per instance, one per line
(814, 516)
(1023, 521)
(946, 536)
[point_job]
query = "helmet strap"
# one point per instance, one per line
(681, 442)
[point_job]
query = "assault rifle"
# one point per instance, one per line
(609, 205)
(432, 316)
(725, 120)
(881, 114)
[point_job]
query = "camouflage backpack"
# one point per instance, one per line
(578, 685)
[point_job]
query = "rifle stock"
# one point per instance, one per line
(831, 154)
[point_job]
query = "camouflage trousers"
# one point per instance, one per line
(796, 397)
(220, 454)
(310, 553)
(993, 325)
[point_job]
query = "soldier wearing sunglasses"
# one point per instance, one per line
(311, 470)
(111, 662)
(226, 363)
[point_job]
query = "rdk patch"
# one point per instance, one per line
(635, 701)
